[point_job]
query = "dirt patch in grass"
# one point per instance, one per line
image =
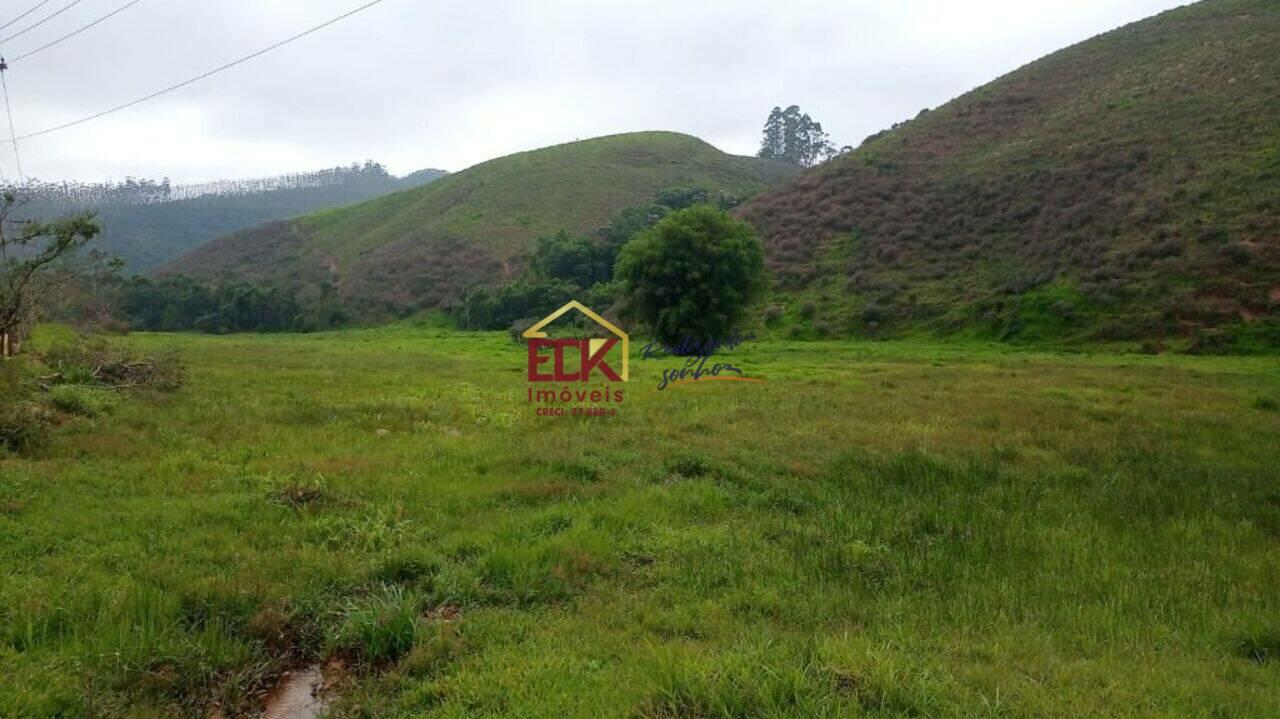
(304, 693)
(537, 492)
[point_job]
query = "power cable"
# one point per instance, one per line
(37, 7)
(73, 33)
(20, 33)
(195, 79)
(13, 135)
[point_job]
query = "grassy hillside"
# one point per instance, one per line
(1123, 187)
(883, 529)
(415, 249)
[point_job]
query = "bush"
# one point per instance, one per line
(80, 400)
(23, 425)
(1237, 253)
(517, 329)
(602, 296)
(483, 309)
(570, 258)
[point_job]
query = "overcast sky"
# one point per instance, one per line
(449, 83)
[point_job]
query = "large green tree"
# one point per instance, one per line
(773, 144)
(693, 275)
(792, 136)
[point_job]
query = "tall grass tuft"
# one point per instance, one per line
(379, 628)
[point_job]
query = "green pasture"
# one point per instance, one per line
(882, 529)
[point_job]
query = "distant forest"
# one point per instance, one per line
(148, 223)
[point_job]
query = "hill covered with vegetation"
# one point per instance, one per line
(423, 247)
(147, 223)
(1122, 188)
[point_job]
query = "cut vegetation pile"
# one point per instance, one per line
(76, 378)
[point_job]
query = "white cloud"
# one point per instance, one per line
(450, 83)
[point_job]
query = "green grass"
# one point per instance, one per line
(81, 400)
(884, 529)
(575, 186)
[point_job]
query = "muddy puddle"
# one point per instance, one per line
(299, 695)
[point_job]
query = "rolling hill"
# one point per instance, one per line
(1126, 187)
(147, 224)
(419, 248)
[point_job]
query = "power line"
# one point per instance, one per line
(73, 33)
(40, 4)
(195, 79)
(20, 33)
(13, 135)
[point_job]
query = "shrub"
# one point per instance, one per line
(518, 327)
(80, 400)
(574, 259)
(1209, 342)
(23, 425)
(1237, 253)
(876, 313)
(483, 309)
(603, 295)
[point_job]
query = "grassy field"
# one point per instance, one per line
(884, 529)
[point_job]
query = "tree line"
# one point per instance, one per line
(143, 191)
(682, 266)
(147, 223)
(181, 304)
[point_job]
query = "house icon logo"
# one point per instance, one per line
(577, 359)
